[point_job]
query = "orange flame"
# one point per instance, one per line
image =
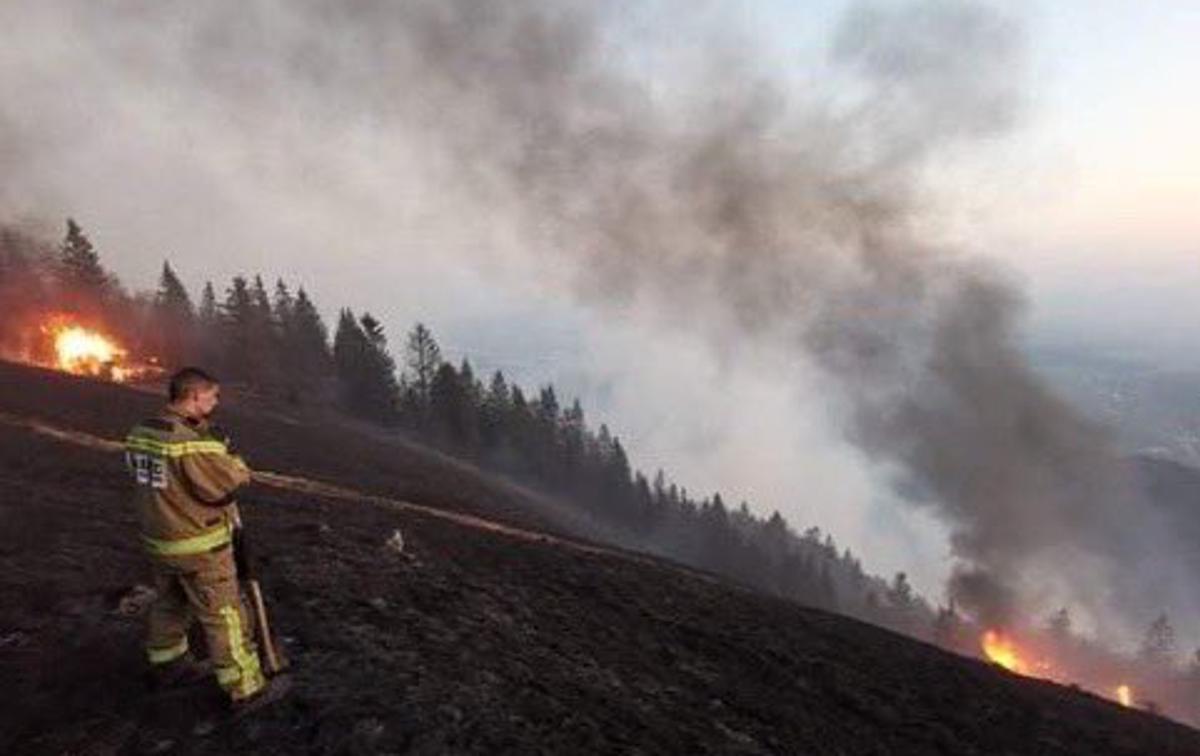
(1125, 695)
(81, 350)
(1003, 651)
(84, 352)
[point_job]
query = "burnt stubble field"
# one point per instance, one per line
(470, 641)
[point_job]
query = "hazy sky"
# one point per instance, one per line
(1091, 203)
(1094, 201)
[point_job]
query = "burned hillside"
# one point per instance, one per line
(472, 639)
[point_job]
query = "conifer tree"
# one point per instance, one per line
(450, 410)
(209, 314)
(618, 480)
(210, 334)
(263, 334)
(308, 338)
(79, 270)
(283, 309)
(174, 320)
(547, 460)
(348, 343)
(366, 372)
(519, 421)
(172, 298)
(471, 385)
(238, 353)
(349, 357)
(573, 429)
(493, 414)
(423, 357)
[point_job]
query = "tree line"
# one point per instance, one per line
(273, 341)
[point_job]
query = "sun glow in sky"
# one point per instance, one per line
(1097, 190)
(1111, 119)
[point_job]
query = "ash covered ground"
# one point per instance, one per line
(472, 640)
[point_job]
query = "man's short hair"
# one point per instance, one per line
(189, 381)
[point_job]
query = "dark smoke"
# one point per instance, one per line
(717, 195)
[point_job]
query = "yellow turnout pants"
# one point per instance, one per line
(203, 587)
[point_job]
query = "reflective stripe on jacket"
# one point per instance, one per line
(184, 485)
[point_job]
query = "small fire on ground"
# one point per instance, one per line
(1002, 649)
(73, 347)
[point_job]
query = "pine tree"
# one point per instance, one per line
(574, 426)
(349, 357)
(546, 428)
(348, 344)
(471, 385)
(238, 353)
(519, 424)
(643, 499)
(365, 370)
(618, 479)
(774, 544)
(493, 415)
(308, 339)
(258, 294)
(379, 382)
(174, 320)
(80, 274)
(423, 358)
(263, 334)
(900, 593)
(172, 298)
(283, 309)
(210, 333)
(209, 314)
(659, 485)
(902, 603)
(454, 423)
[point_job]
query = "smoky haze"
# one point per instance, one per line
(702, 190)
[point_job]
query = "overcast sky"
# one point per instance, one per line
(1090, 202)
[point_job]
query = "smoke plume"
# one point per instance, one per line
(707, 189)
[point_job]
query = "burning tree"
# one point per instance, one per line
(64, 310)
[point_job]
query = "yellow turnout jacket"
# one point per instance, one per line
(184, 484)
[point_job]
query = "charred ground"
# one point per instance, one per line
(472, 641)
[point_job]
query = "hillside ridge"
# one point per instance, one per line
(470, 640)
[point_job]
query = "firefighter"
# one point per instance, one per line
(185, 481)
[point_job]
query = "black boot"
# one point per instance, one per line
(179, 673)
(273, 691)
